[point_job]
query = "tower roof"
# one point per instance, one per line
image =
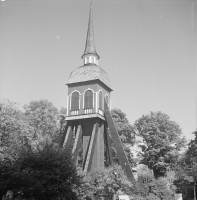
(88, 73)
(90, 48)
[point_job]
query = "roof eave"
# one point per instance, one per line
(109, 87)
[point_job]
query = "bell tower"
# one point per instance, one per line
(89, 120)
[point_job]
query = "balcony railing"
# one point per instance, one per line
(74, 112)
(88, 110)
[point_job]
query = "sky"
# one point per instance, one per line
(147, 47)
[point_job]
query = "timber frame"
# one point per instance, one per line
(92, 134)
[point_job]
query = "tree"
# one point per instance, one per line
(162, 142)
(126, 133)
(106, 183)
(42, 116)
(151, 188)
(191, 161)
(191, 156)
(44, 173)
(14, 129)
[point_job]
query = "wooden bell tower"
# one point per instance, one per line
(88, 112)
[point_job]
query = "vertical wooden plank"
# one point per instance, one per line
(91, 148)
(98, 148)
(77, 144)
(68, 137)
(86, 140)
(101, 145)
(109, 152)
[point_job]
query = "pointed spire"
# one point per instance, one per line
(90, 48)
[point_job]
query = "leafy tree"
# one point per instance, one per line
(45, 173)
(151, 188)
(14, 129)
(125, 131)
(42, 116)
(186, 168)
(191, 156)
(106, 183)
(162, 142)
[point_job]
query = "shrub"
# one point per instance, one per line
(151, 188)
(46, 173)
(106, 183)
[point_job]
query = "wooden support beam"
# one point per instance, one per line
(118, 144)
(77, 144)
(109, 152)
(91, 148)
(68, 137)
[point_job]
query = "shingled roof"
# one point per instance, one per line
(87, 73)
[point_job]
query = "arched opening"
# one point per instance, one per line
(88, 99)
(75, 101)
(101, 100)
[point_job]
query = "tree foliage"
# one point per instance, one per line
(125, 131)
(14, 129)
(151, 188)
(186, 168)
(42, 116)
(162, 142)
(106, 183)
(191, 156)
(37, 124)
(45, 173)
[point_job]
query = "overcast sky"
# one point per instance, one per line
(148, 48)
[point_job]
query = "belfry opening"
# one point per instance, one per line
(89, 119)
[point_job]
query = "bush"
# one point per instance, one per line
(46, 173)
(107, 183)
(151, 188)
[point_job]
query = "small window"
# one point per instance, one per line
(88, 99)
(75, 101)
(100, 100)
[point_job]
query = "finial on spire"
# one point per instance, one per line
(90, 48)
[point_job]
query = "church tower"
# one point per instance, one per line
(88, 112)
(88, 85)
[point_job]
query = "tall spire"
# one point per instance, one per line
(90, 48)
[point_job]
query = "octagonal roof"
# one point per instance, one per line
(89, 72)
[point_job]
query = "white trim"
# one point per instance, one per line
(75, 117)
(75, 91)
(84, 96)
(70, 101)
(96, 101)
